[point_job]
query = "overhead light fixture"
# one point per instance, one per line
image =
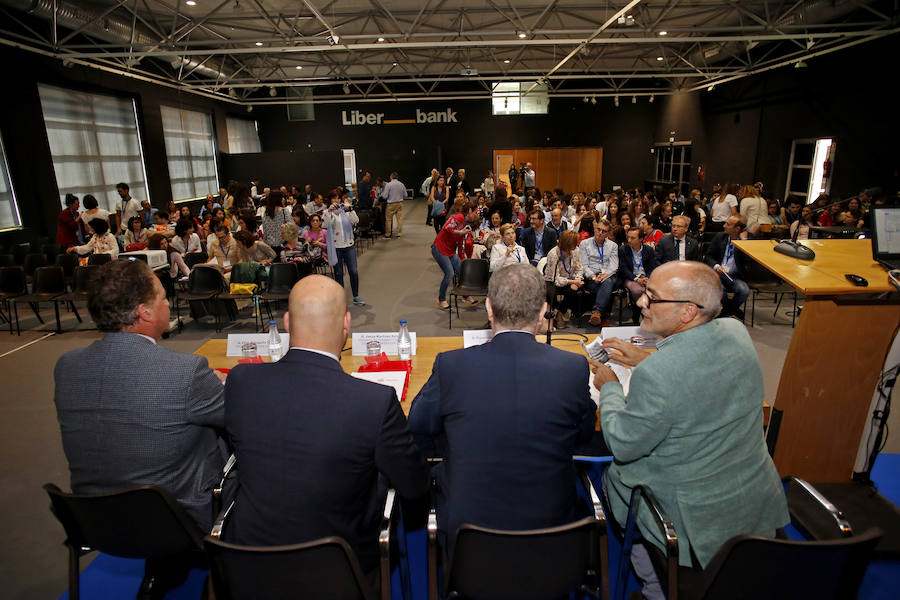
(346, 89)
(505, 61)
(333, 39)
(800, 65)
(191, 3)
(393, 64)
(652, 98)
(522, 35)
(616, 101)
(273, 92)
(232, 93)
(634, 99)
(711, 88)
(586, 99)
(627, 20)
(663, 33)
(710, 52)
(259, 43)
(593, 99)
(659, 58)
(380, 39)
(250, 108)
(810, 43)
(298, 67)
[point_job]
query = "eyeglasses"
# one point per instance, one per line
(661, 301)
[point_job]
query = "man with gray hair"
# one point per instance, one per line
(690, 428)
(506, 416)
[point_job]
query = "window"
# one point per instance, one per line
(94, 143)
(509, 98)
(349, 167)
(9, 210)
(810, 168)
(243, 136)
(673, 163)
(191, 153)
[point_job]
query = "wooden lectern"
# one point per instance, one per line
(835, 357)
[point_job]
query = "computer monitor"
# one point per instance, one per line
(886, 233)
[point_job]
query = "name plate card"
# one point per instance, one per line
(262, 343)
(387, 339)
(476, 337)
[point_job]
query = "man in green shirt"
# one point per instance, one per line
(690, 427)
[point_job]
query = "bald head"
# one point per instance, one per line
(317, 314)
(694, 281)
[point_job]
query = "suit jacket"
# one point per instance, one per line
(716, 254)
(508, 460)
(132, 413)
(310, 441)
(528, 241)
(665, 249)
(626, 262)
(691, 430)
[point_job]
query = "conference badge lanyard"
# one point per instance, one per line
(638, 264)
(518, 258)
(568, 267)
(600, 252)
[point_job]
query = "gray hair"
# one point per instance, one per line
(701, 285)
(116, 291)
(517, 294)
(290, 231)
(686, 221)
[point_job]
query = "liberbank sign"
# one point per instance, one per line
(355, 117)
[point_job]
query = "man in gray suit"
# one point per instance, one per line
(132, 412)
(690, 428)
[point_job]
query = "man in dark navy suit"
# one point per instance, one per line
(311, 441)
(678, 245)
(509, 414)
(636, 263)
(537, 240)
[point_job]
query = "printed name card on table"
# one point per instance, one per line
(262, 343)
(387, 339)
(394, 379)
(476, 337)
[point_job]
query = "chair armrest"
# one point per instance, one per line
(819, 503)
(602, 587)
(596, 504)
(226, 471)
(219, 515)
(667, 530)
(432, 535)
(384, 543)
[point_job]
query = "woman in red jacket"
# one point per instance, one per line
(69, 228)
(449, 247)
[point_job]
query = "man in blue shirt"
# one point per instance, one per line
(394, 193)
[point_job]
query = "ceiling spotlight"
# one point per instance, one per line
(380, 39)
(651, 98)
(659, 58)
(273, 92)
(522, 35)
(298, 67)
(333, 39)
(191, 3)
(593, 99)
(711, 88)
(250, 108)
(634, 99)
(259, 43)
(505, 61)
(809, 43)
(133, 61)
(586, 100)
(663, 33)
(393, 64)
(616, 101)
(232, 93)
(800, 65)
(346, 89)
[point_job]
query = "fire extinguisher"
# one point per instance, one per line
(826, 168)
(701, 173)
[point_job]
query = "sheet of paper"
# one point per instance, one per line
(476, 337)
(633, 331)
(394, 379)
(388, 340)
(235, 340)
(621, 371)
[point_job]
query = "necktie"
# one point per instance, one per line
(678, 249)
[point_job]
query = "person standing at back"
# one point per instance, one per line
(394, 193)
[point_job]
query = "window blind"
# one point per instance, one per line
(191, 152)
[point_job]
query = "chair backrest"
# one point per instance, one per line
(191, 259)
(48, 280)
(542, 265)
(99, 259)
(51, 250)
(82, 277)
(325, 568)
(282, 277)
(12, 280)
(522, 565)
(474, 272)
(7, 260)
(139, 523)
(206, 280)
(20, 251)
(68, 262)
(34, 261)
(246, 272)
(752, 567)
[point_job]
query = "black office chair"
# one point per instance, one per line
(282, 277)
(12, 285)
(144, 522)
(474, 274)
(33, 262)
(526, 565)
(7, 260)
(204, 284)
(99, 259)
(761, 281)
(246, 272)
(68, 262)
(323, 568)
(20, 251)
(192, 259)
(81, 280)
(51, 250)
(48, 284)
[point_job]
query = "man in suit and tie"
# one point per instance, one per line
(678, 245)
(311, 441)
(132, 412)
(724, 258)
(508, 459)
(636, 263)
(537, 240)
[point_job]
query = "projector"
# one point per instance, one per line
(156, 259)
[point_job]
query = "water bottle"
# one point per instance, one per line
(404, 344)
(274, 342)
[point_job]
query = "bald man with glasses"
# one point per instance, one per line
(690, 427)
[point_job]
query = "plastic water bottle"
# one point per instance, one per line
(404, 343)
(274, 342)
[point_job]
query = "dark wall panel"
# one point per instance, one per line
(323, 169)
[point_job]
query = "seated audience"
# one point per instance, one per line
(564, 275)
(273, 219)
(725, 260)
(251, 249)
(162, 225)
(316, 207)
(537, 240)
(805, 221)
(689, 427)
(92, 210)
(136, 234)
(678, 245)
(651, 235)
(185, 239)
(557, 222)
(149, 415)
(636, 264)
(506, 251)
(177, 267)
(600, 257)
(223, 250)
(294, 249)
(312, 449)
(102, 242)
(494, 474)
(316, 237)
(753, 209)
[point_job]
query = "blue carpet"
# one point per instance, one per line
(112, 578)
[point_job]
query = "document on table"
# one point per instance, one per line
(476, 337)
(394, 379)
(262, 343)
